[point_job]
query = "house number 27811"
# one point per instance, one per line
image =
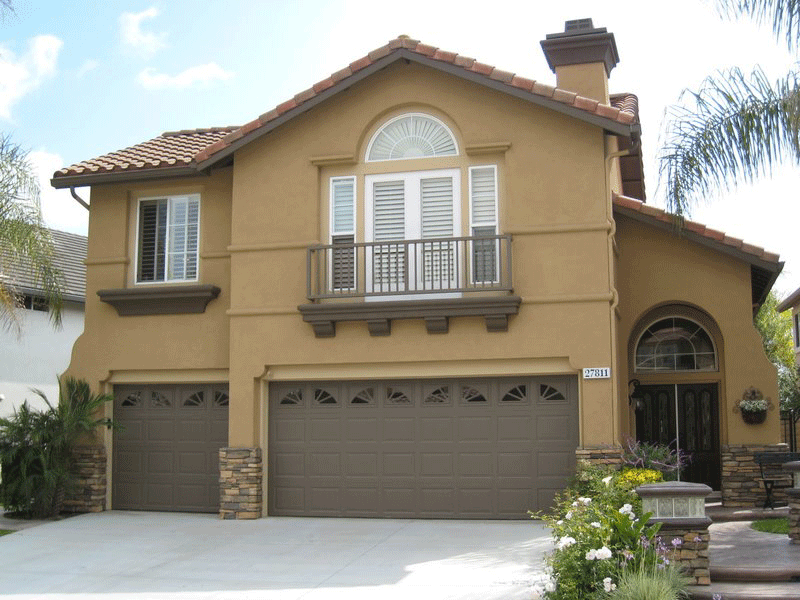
(597, 373)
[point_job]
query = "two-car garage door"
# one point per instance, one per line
(449, 448)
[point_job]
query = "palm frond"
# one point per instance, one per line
(783, 16)
(24, 241)
(735, 128)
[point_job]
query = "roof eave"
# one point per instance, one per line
(607, 124)
(791, 301)
(68, 181)
(772, 267)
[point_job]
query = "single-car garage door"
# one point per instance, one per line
(166, 455)
(455, 448)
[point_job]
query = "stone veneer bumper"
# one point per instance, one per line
(601, 455)
(240, 479)
(89, 493)
(794, 515)
(741, 476)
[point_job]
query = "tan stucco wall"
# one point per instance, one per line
(657, 268)
(588, 80)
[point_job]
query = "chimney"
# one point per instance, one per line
(582, 58)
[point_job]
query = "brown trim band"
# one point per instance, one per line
(436, 313)
(171, 300)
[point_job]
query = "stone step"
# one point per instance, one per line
(746, 591)
(776, 574)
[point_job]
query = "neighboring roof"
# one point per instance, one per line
(69, 258)
(790, 302)
(765, 266)
(169, 154)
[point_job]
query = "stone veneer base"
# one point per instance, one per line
(692, 554)
(89, 492)
(794, 515)
(741, 476)
(600, 455)
(240, 479)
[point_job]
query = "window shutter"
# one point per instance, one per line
(183, 234)
(343, 205)
(388, 261)
(436, 196)
(152, 240)
(483, 189)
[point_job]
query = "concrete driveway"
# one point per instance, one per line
(121, 554)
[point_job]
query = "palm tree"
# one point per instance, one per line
(736, 126)
(25, 244)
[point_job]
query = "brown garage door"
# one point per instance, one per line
(166, 456)
(466, 448)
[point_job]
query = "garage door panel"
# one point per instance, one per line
(451, 448)
(166, 457)
(362, 464)
(290, 430)
(401, 463)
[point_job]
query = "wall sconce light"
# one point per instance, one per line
(636, 398)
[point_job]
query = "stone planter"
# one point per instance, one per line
(794, 501)
(680, 508)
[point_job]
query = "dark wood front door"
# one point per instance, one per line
(692, 423)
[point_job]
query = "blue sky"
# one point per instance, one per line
(79, 78)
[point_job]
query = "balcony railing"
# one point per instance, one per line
(398, 268)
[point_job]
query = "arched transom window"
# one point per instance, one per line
(412, 135)
(675, 344)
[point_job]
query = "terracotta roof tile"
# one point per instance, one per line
(172, 148)
(623, 109)
(695, 227)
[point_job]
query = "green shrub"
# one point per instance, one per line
(600, 536)
(36, 448)
(665, 582)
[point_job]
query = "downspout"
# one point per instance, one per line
(612, 229)
(80, 200)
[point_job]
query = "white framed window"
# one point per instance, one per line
(412, 135)
(167, 240)
(675, 344)
(484, 265)
(342, 269)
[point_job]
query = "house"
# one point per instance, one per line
(792, 302)
(421, 288)
(38, 353)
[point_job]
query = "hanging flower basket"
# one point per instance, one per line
(754, 417)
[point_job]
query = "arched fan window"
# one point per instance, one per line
(412, 135)
(675, 344)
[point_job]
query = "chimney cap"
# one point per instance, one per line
(580, 43)
(577, 27)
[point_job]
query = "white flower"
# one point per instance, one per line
(626, 509)
(568, 516)
(584, 501)
(560, 522)
(607, 480)
(609, 585)
(565, 542)
(603, 553)
(595, 524)
(591, 555)
(574, 505)
(631, 516)
(550, 586)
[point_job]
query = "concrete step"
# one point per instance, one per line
(726, 515)
(746, 591)
(775, 574)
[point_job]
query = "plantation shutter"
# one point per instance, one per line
(152, 239)
(343, 205)
(436, 198)
(483, 203)
(389, 263)
(343, 225)
(183, 230)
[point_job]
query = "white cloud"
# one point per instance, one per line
(144, 43)
(88, 65)
(59, 208)
(18, 76)
(200, 75)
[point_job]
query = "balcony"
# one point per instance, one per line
(433, 279)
